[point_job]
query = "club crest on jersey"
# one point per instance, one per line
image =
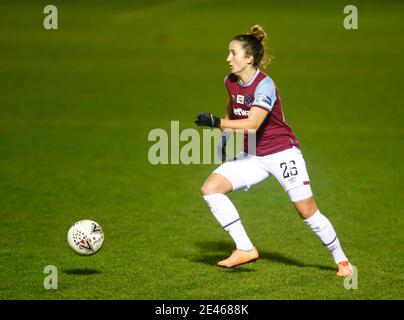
(240, 99)
(248, 100)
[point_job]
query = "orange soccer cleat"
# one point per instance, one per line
(344, 269)
(239, 257)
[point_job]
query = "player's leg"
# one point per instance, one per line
(230, 176)
(214, 192)
(321, 226)
(289, 168)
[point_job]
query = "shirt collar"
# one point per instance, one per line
(249, 82)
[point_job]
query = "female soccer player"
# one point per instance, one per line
(254, 104)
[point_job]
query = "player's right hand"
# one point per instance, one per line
(207, 119)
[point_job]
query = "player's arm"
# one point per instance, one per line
(253, 122)
(264, 101)
(255, 118)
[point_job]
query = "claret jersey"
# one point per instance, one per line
(274, 135)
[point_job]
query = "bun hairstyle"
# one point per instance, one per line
(258, 32)
(252, 43)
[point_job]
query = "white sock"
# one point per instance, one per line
(237, 232)
(324, 230)
(226, 214)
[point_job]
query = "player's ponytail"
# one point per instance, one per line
(253, 45)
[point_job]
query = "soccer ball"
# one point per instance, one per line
(85, 237)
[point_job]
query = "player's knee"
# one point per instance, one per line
(209, 188)
(214, 186)
(216, 183)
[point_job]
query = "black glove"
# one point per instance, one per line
(207, 119)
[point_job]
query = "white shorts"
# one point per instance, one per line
(288, 167)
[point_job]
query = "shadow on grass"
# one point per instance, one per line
(223, 249)
(81, 272)
(216, 251)
(277, 257)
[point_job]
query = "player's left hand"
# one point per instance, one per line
(221, 145)
(207, 119)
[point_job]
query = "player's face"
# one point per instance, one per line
(237, 59)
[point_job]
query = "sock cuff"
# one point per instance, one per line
(213, 196)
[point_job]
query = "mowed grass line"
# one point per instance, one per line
(76, 110)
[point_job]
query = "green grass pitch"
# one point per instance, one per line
(76, 107)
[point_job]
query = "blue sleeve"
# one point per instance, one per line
(265, 94)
